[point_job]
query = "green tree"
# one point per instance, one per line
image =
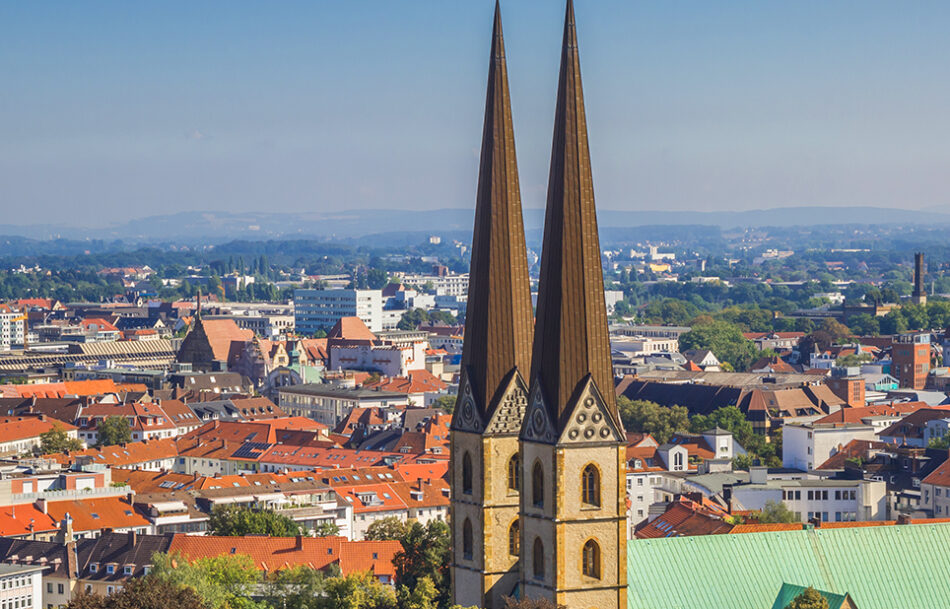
(113, 430)
(865, 325)
(853, 360)
(390, 528)
(421, 597)
(661, 422)
(56, 440)
(426, 553)
(219, 580)
(326, 529)
(724, 339)
(376, 279)
(445, 403)
(299, 587)
(809, 599)
(776, 511)
(236, 521)
(357, 591)
(941, 443)
(148, 592)
(412, 319)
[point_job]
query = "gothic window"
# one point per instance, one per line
(591, 559)
(590, 485)
(537, 485)
(467, 474)
(467, 543)
(514, 473)
(538, 559)
(514, 538)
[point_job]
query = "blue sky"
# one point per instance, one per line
(132, 109)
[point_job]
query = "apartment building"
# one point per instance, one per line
(321, 309)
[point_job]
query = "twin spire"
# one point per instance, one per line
(567, 344)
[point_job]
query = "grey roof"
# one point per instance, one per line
(714, 482)
(335, 391)
(7, 569)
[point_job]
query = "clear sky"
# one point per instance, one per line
(115, 109)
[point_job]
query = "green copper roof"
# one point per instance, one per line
(790, 592)
(881, 567)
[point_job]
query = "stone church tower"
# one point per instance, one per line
(496, 359)
(573, 507)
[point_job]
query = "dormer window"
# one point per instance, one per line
(110, 569)
(94, 567)
(128, 569)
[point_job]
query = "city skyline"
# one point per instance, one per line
(130, 111)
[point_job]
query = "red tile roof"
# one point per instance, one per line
(272, 554)
(97, 514)
(684, 518)
(21, 428)
(940, 476)
(417, 381)
(351, 328)
(24, 519)
(854, 415)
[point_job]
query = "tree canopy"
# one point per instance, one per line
(113, 430)
(236, 521)
(724, 339)
(809, 599)
(56, 440)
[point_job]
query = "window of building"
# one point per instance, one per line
(60, 589)
(591, 559)
(537, 561)
(590, 483)
(537, 485)
(467, 473)
(467, 543)
(514, 473)
(514, 538)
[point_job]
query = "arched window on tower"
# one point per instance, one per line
(590, 559)
(467, 543)
(590, 485)
(514, 473)
(514, 538)
(537, 485)
(537, 561)
(467, 473)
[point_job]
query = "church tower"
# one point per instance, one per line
(573, 506)
(496, 358)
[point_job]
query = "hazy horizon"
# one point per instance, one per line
(116, 111)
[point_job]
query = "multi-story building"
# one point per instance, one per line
(321, 309)
(806, 446)
(330, 404)
(21, 586)
(444, 284)
(935, 492)
(910, 355)
(12, 326)
(828, 500)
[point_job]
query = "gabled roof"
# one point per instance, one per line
(122, 455)
(855, 415)
(97, 514)
(416, 381)
(119, 550)
(21, 428)
(855, 449)
(940, 476)
(24, 519)
(823, 557)
(912, 426)
(351, 328)
(271, 554)
(683, 518)
(225, 337)
(789, 592)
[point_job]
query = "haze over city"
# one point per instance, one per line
(131, 110)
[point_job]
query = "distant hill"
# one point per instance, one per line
(218, 227)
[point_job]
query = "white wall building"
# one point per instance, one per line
(827, 500)
(11, 327)
(21, 586)
(806, 446)
(321, 309)
(329, 404)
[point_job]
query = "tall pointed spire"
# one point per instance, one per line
(498, 326)
(571, 330)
